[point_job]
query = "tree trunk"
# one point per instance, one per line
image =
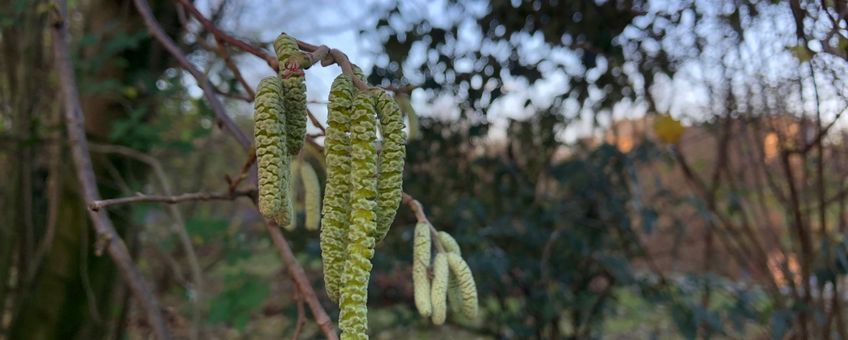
(70, 293)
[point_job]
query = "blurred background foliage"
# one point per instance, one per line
(611, 169)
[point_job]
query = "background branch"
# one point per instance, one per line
(295, 270)
(198, 196)
(88, 183)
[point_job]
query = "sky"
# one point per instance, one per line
(336, 24)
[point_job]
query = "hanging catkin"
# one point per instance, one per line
(311, 196)
(270, 138)
(420, 262)
(390, 184)
(467, 287)
(336, 212)
(294, 87)
(353, 320)
(439, 289)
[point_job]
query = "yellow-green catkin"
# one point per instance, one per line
(353, 319)
(411, 117)
(287, 216)
(269, 133)
(294, 87)
(439, 289)
(311, 196)
(390, 183)
(420, 261)
(467, 287)
(449, 243)
(336, 211)
(454, 295)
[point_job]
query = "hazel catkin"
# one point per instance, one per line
(467, 287)
(269, 133)
(439, 289)
(336, 211)
(390, 163)
(353, 319)
(420, 262)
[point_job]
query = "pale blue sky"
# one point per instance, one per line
(336, 24)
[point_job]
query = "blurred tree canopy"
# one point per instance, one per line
(472, 50)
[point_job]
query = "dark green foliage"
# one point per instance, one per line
(591, 30)
(537, 251)
(243, 294)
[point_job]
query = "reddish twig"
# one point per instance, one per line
(208, 90)
(197, 196)
(222, 49)
(88, 183)
(301, 315)
(210, 26)
(327, 56)
(316, 122)
(301, 281)
(248, 164)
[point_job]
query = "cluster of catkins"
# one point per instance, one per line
(280, 130)
(452, 279)
(363, 186)
(363, 192)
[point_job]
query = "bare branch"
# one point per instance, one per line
(301, 315)
(209, 25)
(197, 196)
(299, 277)
(85, 174)
(295, 270)
(208, 90)
(326, 55)
(178, 227)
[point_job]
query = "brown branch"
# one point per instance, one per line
(101, 222)
(326, 55)
(222, 50)
(301, 281)
(316, 122)
(248, 164)
(415, 206)
(301, 315)
(215, 104)
(197, 196)
(210, 26)
(178, 227)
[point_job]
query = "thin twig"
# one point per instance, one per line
(88, 183)
(222, 50)
(316, 122)
(196, 196)
(327, 56)
(299, 277)
(238, 43)
(178, 227)
(215, 104)
(301, 315)
(248, 164)
(295, 270)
